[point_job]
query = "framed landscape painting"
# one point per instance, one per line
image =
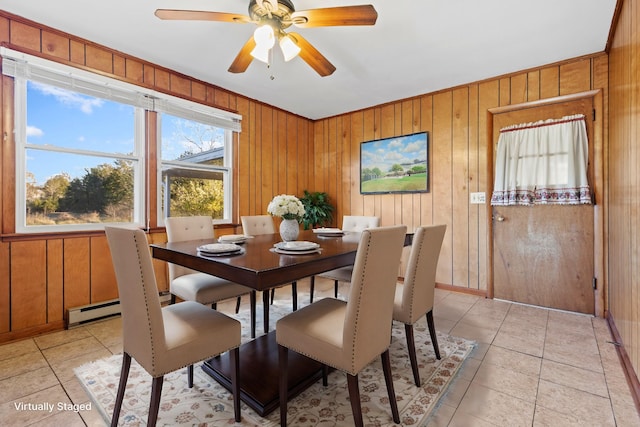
(395, 165)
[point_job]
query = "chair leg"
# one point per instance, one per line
(411, 347)
(335, 288)
(154, 404)
(354, 397)
(325, 375)
(124, 374)
(432, 333)
(294, 295)
(312, 286)
(265, 314)
(238, 300)
(190, 376)
(252, 302)
(234, 356)
(214, 305)
(273, 293)
(388, 378)
(283, 359)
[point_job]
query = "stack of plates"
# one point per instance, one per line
(233, 238)
(219, 249)
(328, 232)
(296, 247)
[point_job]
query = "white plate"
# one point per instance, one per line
(217, 248)
(298, 252)
(220, 254)
(233, 238)
(327, 231)
(296, 245)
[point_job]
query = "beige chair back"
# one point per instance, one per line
(182, 228)
(256, 225)
(420, 277)
(359, 223)
(367, 327)
(142, 324)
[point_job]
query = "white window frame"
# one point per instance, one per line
(24, 68)
(187, 110)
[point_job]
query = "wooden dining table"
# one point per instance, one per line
(258, 266)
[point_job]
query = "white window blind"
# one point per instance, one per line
(21, 65)
(199, 113)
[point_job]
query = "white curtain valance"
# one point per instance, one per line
(543, 162)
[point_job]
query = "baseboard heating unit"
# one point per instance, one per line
(92, 312)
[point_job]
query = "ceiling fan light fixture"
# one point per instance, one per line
(289, 48)
(264, 36)
(261, 53)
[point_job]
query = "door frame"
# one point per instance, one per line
(598, 190)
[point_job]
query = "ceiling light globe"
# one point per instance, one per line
(289, 48)
(261, 53)
(264, 36)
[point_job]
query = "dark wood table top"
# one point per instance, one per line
(258, 266)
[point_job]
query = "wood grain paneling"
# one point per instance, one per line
(55, 281)
(28, 284)
(623, 174)
(77, 275)
(5, 289)
(459, 157)
(102, 274)
(272, 154)
(279, 151)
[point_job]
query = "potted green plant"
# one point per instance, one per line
(317, 209)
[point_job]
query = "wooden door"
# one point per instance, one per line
(544, 255)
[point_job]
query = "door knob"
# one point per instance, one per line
(499, 218)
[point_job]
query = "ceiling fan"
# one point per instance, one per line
(273, 17)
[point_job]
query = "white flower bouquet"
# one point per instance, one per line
(287, 207)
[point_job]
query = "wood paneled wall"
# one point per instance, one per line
(459, 158)
(624, 181)
(42, 276)
(277, 152)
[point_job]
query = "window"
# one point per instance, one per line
(542, 163)
(195, 172)
(79, 151)
(80, 156)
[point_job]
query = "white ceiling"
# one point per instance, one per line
(416, 46)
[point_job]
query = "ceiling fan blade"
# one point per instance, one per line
(198, 15)
(244, 58)
(335, 16)
(312, 56)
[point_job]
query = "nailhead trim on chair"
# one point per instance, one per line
(417, 263)
(146, 306)
(355, 332)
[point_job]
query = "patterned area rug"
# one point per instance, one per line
(209, 404)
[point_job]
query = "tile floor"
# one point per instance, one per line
(532, 367)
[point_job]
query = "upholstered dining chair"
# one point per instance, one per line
(348, 335)
(191, 285)
(353, 223)
(163, 339)
(414, 297)
(255, 225)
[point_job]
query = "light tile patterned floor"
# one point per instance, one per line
(532, 367)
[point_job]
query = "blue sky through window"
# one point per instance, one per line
(65, 119)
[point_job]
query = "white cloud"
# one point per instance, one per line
(86, 104)
(34, 131)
